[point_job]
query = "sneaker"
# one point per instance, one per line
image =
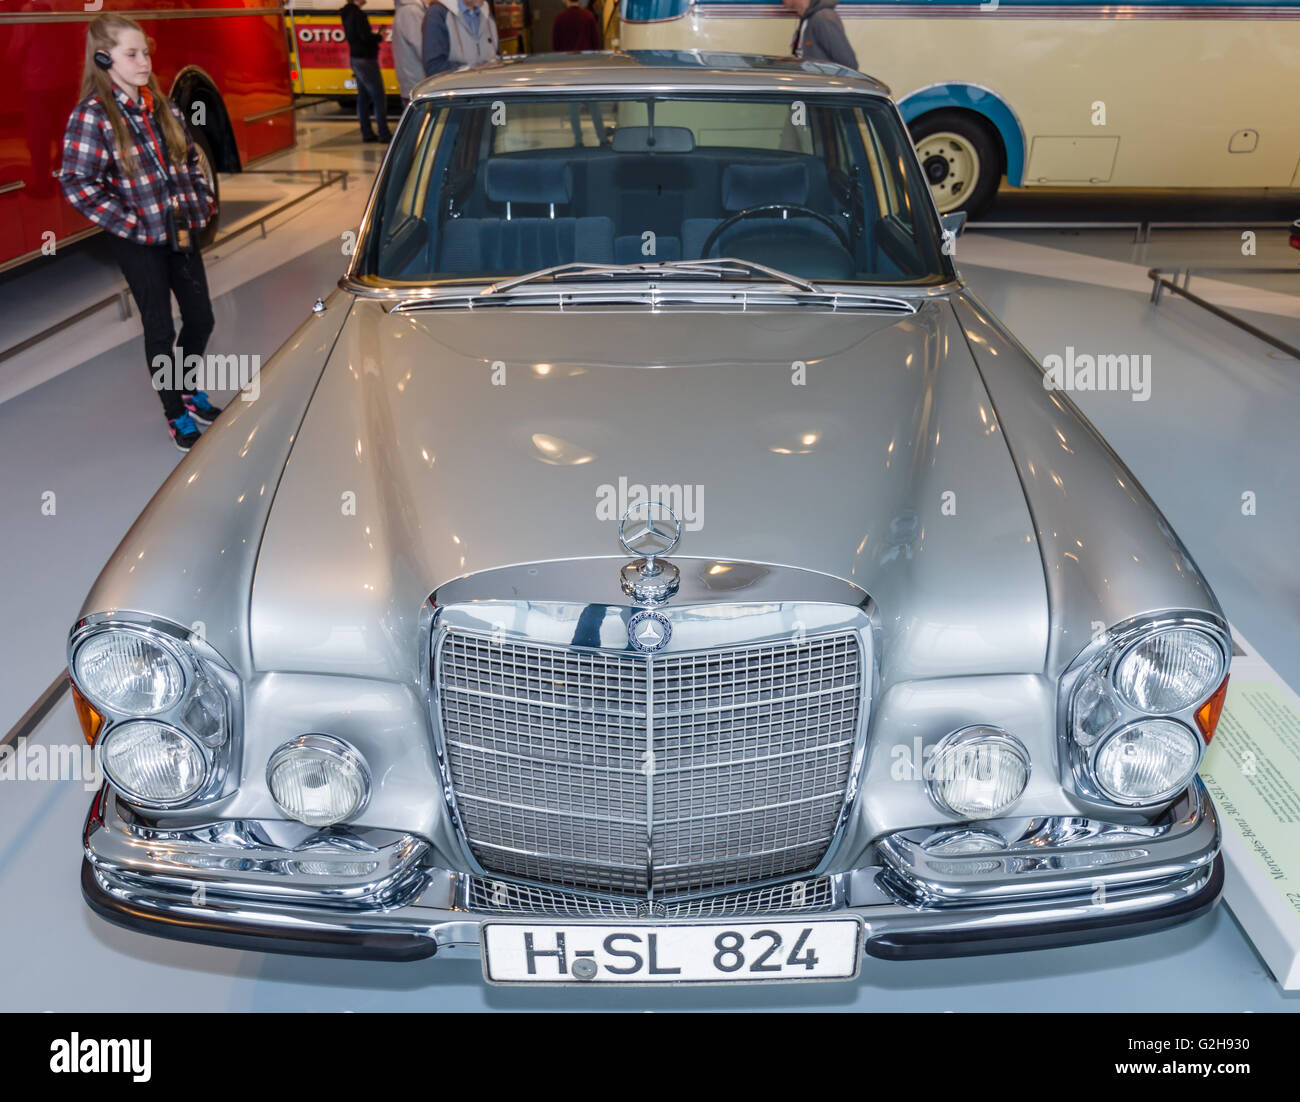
(371, 137)
(185, 433)
(203, 411)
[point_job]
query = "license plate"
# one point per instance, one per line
(732, 952)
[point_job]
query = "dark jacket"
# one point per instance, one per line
(575, 29)
(363, 43)
(820, 36)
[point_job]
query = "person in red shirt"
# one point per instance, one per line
(575, 29)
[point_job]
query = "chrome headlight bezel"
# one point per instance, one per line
(331, 746)
(1144, 637)
(964, 736)
(1166, 794)
(1093, 672)
(162, 640)
(208, 709)
(134, 797)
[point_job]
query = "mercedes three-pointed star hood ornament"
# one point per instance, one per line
(650, 529)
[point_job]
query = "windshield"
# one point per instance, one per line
(822, 188)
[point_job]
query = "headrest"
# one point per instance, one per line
(754, 185)
(653, 139)
(546, 180)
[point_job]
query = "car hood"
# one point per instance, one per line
(444, 442)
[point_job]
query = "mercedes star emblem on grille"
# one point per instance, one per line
(649, 631)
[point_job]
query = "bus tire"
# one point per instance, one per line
(961, 158)
(208, 164)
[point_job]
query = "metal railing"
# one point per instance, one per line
(1159, 284)
(122, 297)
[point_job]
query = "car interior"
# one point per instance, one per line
(821, 205)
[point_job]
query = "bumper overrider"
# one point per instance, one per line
(381, 895)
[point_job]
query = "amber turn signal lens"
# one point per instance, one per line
(1207, 715)
(92, 722)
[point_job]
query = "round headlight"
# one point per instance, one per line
(128, 672)
(152, 762)
(1169, 671)
(318, 780)
(1147, 761)
(978, 772)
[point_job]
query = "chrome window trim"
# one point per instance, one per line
(544, 582)
(198, 659)
(1077, 760)
(350, 280)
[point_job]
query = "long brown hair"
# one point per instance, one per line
(102, 34)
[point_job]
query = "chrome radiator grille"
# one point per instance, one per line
(628, 775)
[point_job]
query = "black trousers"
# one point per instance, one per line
(155, 273)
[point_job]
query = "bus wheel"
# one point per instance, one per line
(960, 159)
(208, 166)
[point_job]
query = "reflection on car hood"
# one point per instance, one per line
(442, 443)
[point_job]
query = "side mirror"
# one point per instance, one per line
(954, 223)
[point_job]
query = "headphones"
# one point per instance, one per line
(103, 60)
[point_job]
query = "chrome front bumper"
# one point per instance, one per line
(281, 887)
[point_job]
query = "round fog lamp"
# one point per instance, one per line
(1147, 761)
(152, 762)
(318, 780)
(1169, 671)
(978, 772)
(128, 672)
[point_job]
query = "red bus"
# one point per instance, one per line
(224, 62)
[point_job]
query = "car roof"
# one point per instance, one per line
(661, 70)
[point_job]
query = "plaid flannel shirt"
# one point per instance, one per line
(133, 206)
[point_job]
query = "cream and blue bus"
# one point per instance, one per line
(1151, 93)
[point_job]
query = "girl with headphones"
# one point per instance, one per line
(130, 167)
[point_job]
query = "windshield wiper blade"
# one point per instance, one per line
(720, 266)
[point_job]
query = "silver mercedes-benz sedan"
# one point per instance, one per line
(651, 565)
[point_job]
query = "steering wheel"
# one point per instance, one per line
(796, 208)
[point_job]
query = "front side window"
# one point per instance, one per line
(822, 188)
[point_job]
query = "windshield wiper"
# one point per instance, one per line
(719, 267)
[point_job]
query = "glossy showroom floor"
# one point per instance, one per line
(77, 419)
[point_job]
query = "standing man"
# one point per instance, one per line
(458, 33)
(408, 45)
(820, 35)
(363, 56)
